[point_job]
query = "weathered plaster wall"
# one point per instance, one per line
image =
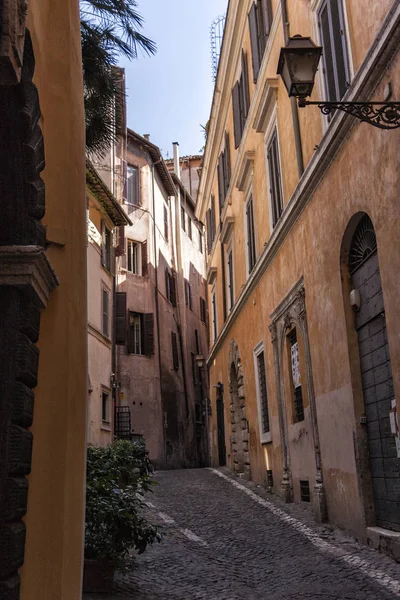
(53, 562)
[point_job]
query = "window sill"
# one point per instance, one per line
(105, 426)
(266, 438)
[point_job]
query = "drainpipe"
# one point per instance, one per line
(295, 113)
(157, 305)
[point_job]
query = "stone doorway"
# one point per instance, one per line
(240, 458)
(376, 374)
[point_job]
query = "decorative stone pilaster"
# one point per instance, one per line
(240, 457)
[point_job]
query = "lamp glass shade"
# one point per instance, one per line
(200, 361)
(298, 63)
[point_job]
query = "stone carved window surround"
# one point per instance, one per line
(292, 313)
(240, 457)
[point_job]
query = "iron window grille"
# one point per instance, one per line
(295, 370)
(304, 491)
(122, 427)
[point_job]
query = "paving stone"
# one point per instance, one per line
(242, 550)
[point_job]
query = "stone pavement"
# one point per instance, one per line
(226, 539)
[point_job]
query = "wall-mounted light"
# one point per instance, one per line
(200, 361)
(298, 64)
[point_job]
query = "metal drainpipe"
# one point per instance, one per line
(295, 113)
(157, 307)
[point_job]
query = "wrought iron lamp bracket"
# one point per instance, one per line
(385, 115)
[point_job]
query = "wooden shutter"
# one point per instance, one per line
(165, 223)
(196, 337)
(172, 284)
(327, 54)
(174, 345)
(255, 56)
(144, 259)
(338, 41)
(237, 125)
(230, 279)
(103, 245)
(124, 169)
(245, 89)
(120, 318)
(136, 186)
(227, 159)
(130, 344)
(105, 302)
(213, 229)
(208, 227)
(275, 179)
(267, 17)
(221, 183)
(167, 284)
(119, 251)
(148, 334)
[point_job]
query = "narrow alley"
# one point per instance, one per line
(226, 539)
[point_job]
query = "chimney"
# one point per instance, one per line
(146, 136)
(177, 168)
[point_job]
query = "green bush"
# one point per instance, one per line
(118, 476)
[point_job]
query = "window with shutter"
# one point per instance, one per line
(196, 336)
(120, 318)
(229, 275)
(251, 244)
(135, 342)
(260, 21)
(221, 183)
(183, 218)
(275, 180)
(172, 288)
(134, 258)
(193, 361)
(166, 223)
(105, 407)
(200, 241)
(213, 220)
(132, 186)
(209, 230)
(106, 247)
(214, 313)
(188, 294)
(189, 227)
(244, 92)
(227, 163)
(174, 344)
(105, 312)
(203, 310)
(334, 55)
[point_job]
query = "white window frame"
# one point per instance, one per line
(129, 185)
(106, 391)
(137, 320)
(214, 316)
(105, 289)
(139, 257)
(319, 78)
(249, 195)
(265, 437)
(228, 249)
(269, 132)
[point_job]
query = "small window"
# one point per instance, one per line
(105, 407)
(106, 249)
(203, 310)
(132, 185)
(166, 228)
(174, 344)
(262, 394)
(188, 294)
(214, 313)
(304, 491)
(296, 379)
(183, 218)
(275, 182)
(134, 257)
(251, 242)
(189, 227)
(105, 312)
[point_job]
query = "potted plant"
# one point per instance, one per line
(118, 476)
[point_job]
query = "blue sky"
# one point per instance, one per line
(170, 94)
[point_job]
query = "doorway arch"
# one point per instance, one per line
(368, 338)
(240, 457)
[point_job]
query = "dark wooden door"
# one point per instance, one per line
(377, 386)
(221, 430)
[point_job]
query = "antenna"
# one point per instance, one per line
(216, 35)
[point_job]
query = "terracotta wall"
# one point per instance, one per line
(55, 518)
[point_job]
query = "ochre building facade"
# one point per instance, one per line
(302, 218)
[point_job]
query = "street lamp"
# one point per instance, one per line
(200, 361)
(298, 64)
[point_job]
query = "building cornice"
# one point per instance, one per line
(362, 87)
(28, 266)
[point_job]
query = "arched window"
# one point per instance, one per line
(363, 243)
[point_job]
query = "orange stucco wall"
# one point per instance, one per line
(55, 518)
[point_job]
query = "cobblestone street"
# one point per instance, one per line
(229, 540)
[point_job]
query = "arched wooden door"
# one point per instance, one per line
(376, 374)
